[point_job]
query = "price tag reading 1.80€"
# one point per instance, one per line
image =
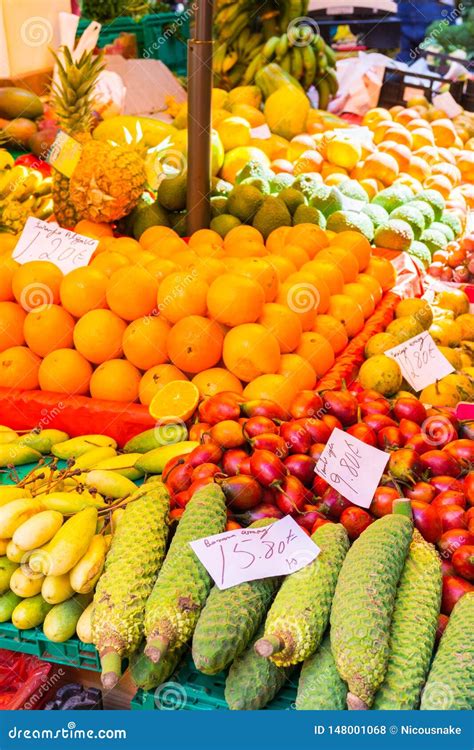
(248, 554)
(351, 467)
(420, 361)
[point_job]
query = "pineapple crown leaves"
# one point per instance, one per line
(73, 93)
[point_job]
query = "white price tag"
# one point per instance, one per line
(262, 131)
(352, 467)
(447, 103)
(420, 361)
(41, 240)
(249, 554)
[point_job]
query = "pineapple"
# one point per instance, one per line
(72, 99)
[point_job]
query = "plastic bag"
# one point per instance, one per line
(24, 681)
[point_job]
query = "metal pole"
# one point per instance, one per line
(199, 119)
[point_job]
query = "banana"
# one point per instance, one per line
(84, 625)
(57, 589)
(269, 48)
(255, 41)
(109, 483)
(242, 40)
(219, 57)
(77, 446)
(310, 65)
(12, 454)
(90, 459)
(229, 62)
(155, 461)
(285, 63)
(252, 70)
(282, 47)
(319, 44)
(69, 503)
(228, 14)
(330, 55)
(324, 93)
(297, 63)
(332, 81)
(14, 553)
(11, 492)
(25, 583)
(43, 440)
(16, 512)
(233, 29)
(38, 529)
(85, 574)
(322, 62)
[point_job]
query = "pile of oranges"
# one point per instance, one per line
(232, 314)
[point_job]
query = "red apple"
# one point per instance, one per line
(378, 421)
(342, 405)
(421, 491)
(306, 404)
(390, 438)
(363, 432)
(451, 540)
(355, 520)
(442, 483)
(463, 561)
(378, 406)
(451, 517)
(420, 443)
(462, 451)
(409, 429)
(439, 430)
(453, 589)
(426, 521)
(440, 462)
(449, 497)
(332, 504)
(382, 502)
(469, 487)
(319, 522)
(409, 408)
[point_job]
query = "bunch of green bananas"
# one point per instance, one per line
(24, 192)
(308, 59)
(230, 61)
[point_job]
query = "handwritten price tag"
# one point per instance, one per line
(352, 467)
(249, 554)
(41, 240)
(420, 361)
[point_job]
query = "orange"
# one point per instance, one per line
(262, 271)
(361, 294)
(439, 182)
(161, 267)
(209, 251)
(155, 378)
(328, 170)
(298, 145)
(8, 243)
(98, 335)
(444, 132)
(309, 161)
(153, 234)
(238, 234)
(348, 312)
(371, 186)
(167, 246)
(419, 168)
(328, 271)
(465, 163)
(143, 258)
(48, 328)
(233, 299)
(333, 331)
(176, 401)
(36, 283)
(372, 284)
(406, 115)
(12, 318)
(308, 236)
(382, 270)
(429, 153)
(295, 253)
(209, 269)
(381, 128)
(19, 369)
(184, 258)
(247, 248)
(216, 380)
(399, 151)
(381, 166)
(205, 236)
(65, 371)
(83, 289)
(144, 342)
(108, 262)
(195, 344)
(449, 170)
(284, 324)
(317, 351)
(283, 266)
(307, 290)
(276, 239)
(421, 137)
(251, 350)
(181, 294)
(447, 155)
(127, 246)
(115, 380)
(335, 178)
(93, 229)
(7, 269)
(298, 370)
(345, 260)
(300, 300)
(374, 116)
(357, 244)
(131, 292)
(398, 134)
(275, 388)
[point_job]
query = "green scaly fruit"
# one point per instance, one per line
(413, 629)
(450, 683)
(137, 552)
(363, 603)
(299, 615)
(183, 583)
(320, 688)
(230, 619)
(253, 682)
(149, 676)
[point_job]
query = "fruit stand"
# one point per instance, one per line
(236, 430)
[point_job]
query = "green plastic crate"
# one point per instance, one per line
(165, 39)
(201, 692)
(112, 29)
(72, 653)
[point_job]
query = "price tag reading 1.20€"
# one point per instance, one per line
(42, 240)
(420, 361)
(248, 554)
(351, 467)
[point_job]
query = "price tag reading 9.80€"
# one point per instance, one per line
(248, 554)
(420, 361)
(351, 467)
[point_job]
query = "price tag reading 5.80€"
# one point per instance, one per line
(248, 554)
(420, 361)
(351, 467)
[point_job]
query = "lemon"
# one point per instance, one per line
(234, 132)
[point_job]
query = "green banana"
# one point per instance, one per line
(297, 63)
(331, 55)
(322, 62)
(218, 58)
(285, 63)
(309, 65)
(319, 44)
(230, 60)
(242, 40)
(281, 47)
(269, 48)
(332, 81)
(324, 93)
(252, 70)
(255, 41)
